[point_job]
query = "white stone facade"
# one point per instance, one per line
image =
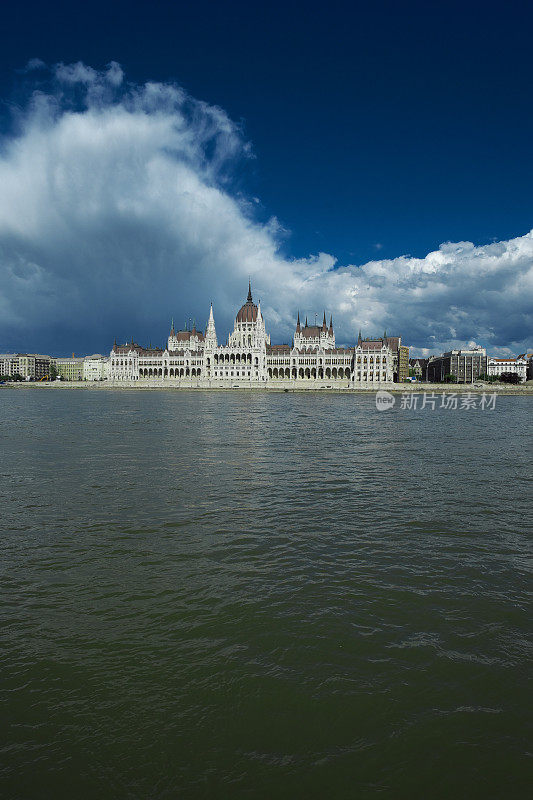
(373, 362)
(192, 358)
(497, 366)
(95, 368)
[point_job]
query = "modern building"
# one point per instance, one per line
(465, 366)
(29, 366)
(516, 366)
(9, 365)
(69, 369)
(95, 368)
(403, 363)
(193, 358)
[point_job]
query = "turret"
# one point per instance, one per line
(331, 325)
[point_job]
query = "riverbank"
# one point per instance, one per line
(293, 386)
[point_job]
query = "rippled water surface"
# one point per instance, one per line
(229, 595)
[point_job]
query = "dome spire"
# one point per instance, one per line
(249, 298)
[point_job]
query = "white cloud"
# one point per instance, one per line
(116, 212)
(75, 73)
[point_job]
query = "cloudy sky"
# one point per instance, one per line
(127, 199)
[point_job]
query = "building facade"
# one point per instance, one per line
(465, 366)
(95, 368)
(193, 358)
(516, 366)
(418, 367)
(29, 366)
(528, 358)
(69, 369)
(9, 365)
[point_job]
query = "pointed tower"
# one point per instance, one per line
(210, 332)
(331, 335)
(306, 322)
(172, 332)
(298, 323)
(324, 326)
(249, 298)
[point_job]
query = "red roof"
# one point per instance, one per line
(311, 332)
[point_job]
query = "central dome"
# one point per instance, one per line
(248, 312)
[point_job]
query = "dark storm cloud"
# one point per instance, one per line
(116, 211)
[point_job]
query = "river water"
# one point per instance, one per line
(263, 595)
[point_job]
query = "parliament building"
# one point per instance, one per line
(195, 359)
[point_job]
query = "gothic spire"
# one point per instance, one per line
(298, 322)
(249, 298)
(324, 321)
(331, 324)
(306, 321)
(210, 331)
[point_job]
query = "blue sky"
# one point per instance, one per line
(369, 133)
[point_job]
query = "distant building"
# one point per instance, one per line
(400, 355)
(29, 366)
(465, 366)
(528, 358)
(70, 369)
(248, 358)
(95, 368)
(9, 365)
(403, 363)
(418, 367)
(373, 362)
(516, 366)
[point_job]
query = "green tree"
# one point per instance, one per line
(510, 377)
